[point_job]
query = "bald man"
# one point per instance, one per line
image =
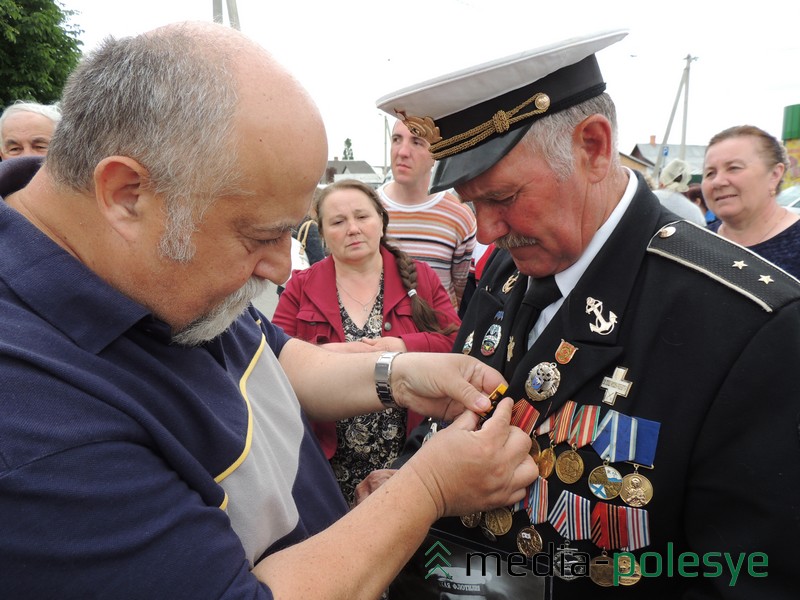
(26, 129)
(154, 439)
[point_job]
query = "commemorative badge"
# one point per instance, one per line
(509, 284)
(491, 340)
(543, 381)
(468, 343)
(565, 352)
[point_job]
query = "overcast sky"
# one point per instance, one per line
(351, 52)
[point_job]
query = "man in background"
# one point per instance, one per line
(434, 228)
(26, 129)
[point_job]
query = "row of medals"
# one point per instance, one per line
(634, 489)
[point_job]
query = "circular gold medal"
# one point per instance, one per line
(636, 490)
(624, 567)
(472, 520)
(605, 482)
(529, 541)
(498, 521)
(546, 462)
(601, 570)
(569, 466)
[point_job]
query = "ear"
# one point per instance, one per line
(122, 193)
(592, 138)
(776, 176)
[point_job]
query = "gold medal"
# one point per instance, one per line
(569, 466)
(543, 381)
(624, 566)
(605, 482)
(472, 520)
(498, 521)
(529, 541)
(601, 570)
(636, 490)
(547, 460)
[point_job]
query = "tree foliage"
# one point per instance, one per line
(348, 150)
(38, 50)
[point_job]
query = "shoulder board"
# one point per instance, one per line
(733, 265)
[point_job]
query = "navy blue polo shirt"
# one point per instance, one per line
(131, 467)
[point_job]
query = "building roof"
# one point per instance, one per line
(350, 169)
(694, 155)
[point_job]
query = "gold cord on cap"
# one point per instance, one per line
(500, 122)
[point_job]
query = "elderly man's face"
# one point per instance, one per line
(25, 134)
(245, 239)
(521, 205)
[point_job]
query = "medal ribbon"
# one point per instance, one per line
(616, 437)
(563, 422)
(571, 516)
(638, 528)
(646, 441)
(609, 526)
(546, 426)
(524, 415)
(536, 502)
(584, 426)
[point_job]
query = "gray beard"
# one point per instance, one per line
(220, 318)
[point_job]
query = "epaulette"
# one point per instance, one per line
(733, 265)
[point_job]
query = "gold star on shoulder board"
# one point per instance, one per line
(766, 279)
(739, 264)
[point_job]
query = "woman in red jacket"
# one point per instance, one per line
(383, 300)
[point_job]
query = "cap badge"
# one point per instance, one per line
(422, 127)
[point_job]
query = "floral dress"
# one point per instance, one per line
(367, 442)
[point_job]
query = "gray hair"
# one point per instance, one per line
(51, 111)
(165, 101)
(552, 136)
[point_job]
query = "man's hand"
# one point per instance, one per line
(442, 385)
(466, 470)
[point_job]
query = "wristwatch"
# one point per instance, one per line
(383, 370)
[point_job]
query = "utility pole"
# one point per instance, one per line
(233, 13)
(684, 87)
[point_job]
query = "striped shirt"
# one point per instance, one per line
(440, 231)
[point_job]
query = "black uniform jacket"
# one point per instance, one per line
(710, 336)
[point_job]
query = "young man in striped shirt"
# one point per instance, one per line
(435, 228)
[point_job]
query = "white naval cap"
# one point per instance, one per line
(473, 117)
